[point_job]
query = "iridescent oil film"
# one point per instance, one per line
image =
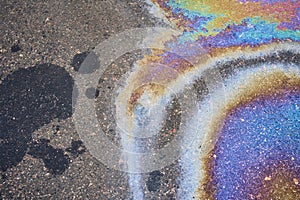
(243, 131)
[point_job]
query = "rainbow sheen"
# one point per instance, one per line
(254, 137)
(207, 25)
(257, 151)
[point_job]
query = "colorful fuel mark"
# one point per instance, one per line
(209, 18)
(256, 152)
(257, 155)
(250, 143)
(209, 25)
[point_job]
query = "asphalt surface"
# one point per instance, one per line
(42, 46)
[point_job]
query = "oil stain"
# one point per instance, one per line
(29, 99)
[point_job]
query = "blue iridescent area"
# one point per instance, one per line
(254, 137)
(251, 32)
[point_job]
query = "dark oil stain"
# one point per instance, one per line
(154, 181)
(85, 62)
(29, 99)
(15, 48)
(78, 60)
(55, 160)
(92, 93)
(76, 148)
